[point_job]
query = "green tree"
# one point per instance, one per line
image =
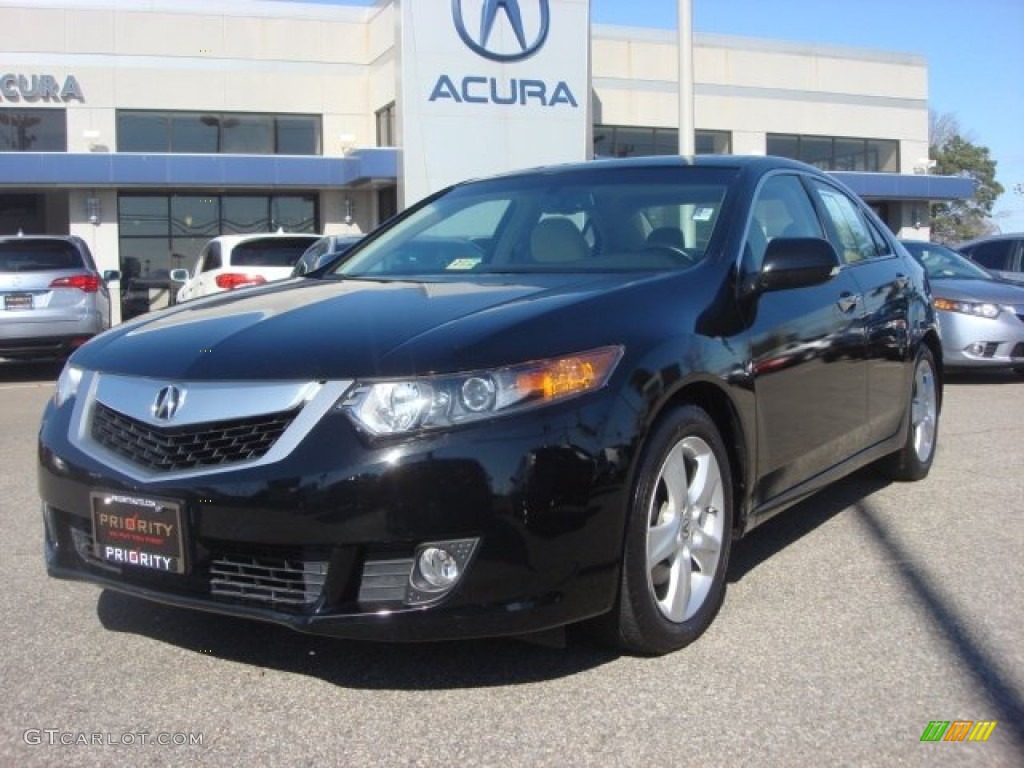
(955, 155)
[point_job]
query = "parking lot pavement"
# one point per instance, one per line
(851, 623)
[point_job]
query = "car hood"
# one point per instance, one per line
(993, 291)
(337, 329)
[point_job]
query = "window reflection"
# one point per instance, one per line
(633, 141)
(215, 132)
(835, 153)
(33, 130)
(159, 233)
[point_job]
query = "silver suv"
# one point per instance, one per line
(52, 297)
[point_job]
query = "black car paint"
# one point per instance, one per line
(548, 490)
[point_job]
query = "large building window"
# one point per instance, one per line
(836, 153)
(713, 142)
(637, 141)
(218, 132)
(386, 126)
(160, 232)
(33, 130)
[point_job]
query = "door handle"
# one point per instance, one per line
(848, 302)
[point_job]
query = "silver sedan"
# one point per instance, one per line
(981, 318)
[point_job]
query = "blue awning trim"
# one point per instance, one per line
(120, 170)
(898, 186)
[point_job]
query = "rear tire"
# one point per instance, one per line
(914, 460)
(678, 536)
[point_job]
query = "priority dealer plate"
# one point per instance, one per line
(138, 531)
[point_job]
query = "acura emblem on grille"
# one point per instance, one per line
(168, 401)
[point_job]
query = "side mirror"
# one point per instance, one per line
(796, 262)
(111, 274)
(179, 275)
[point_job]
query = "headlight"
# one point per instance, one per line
(978, 309)
(67, 384)
(435, 402)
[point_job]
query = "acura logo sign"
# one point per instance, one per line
(529, 34)
(168, 401)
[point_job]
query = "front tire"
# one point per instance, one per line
(678, 536)
(914, 460)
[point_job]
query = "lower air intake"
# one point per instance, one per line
(268, 580)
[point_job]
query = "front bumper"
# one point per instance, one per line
(978, 342)
(303, 541)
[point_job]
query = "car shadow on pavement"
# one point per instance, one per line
(14, 372)
(352, 664)
(793, 524)
(988, 377)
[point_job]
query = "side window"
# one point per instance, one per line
(994, 255)
(781, 209)
(882, 247)
(850, 232)
(210, 260)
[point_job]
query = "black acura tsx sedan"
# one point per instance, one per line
(545, 398)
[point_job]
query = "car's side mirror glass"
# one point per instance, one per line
(111, 274)
(179, 275)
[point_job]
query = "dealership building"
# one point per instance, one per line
(148, 128)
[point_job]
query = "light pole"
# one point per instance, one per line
(687, 126)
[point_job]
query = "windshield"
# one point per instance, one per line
(942, 263)
(582, 221)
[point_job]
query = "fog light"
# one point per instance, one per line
(438, 567)
(977, 349)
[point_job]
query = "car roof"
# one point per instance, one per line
(992, 239)
(74, 239)
(756, 163)
(233, 240)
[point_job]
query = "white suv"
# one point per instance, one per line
(236, 261)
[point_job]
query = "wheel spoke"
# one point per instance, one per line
(697, 487)
(662, 541)
(678, 598)
(704, 550)
(673, 475)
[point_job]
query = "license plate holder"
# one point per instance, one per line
(16, 301)
(139, 531)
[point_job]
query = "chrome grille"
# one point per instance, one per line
(268, 579)
(167, 449)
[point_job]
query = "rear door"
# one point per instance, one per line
(884, 288)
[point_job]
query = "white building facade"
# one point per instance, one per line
(148, 128)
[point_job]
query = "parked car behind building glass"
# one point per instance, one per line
(53, 298)
(239, 261)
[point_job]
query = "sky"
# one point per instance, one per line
(974, 53)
